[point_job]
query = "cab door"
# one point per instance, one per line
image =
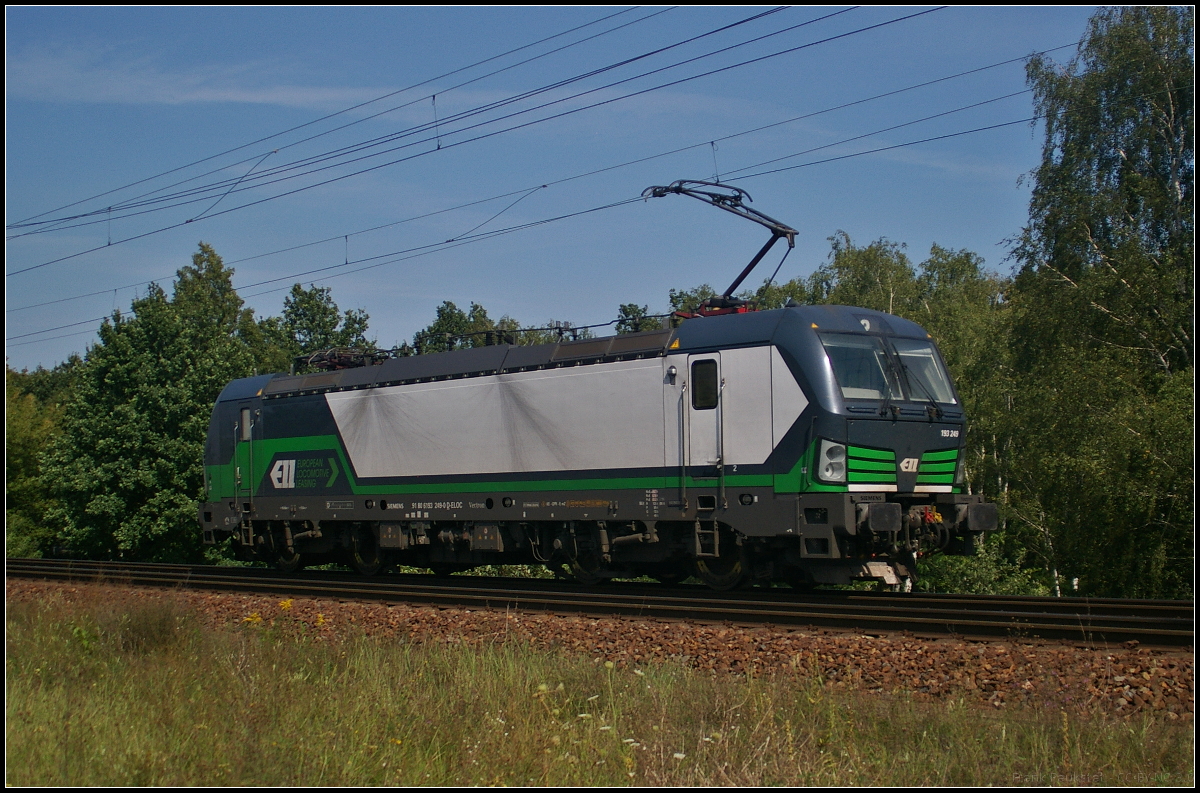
(704, 412)
(243, 450)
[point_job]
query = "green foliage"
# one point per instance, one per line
(878, 276)
(311, 321)
(126, 467)
(30, 424)
(454, 329)
(631, 318)
(48, 386)
(771, 295)
(1103, 309)
(688, 300)
(1111, 236)
(988, 572)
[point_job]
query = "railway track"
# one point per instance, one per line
(1095, 622)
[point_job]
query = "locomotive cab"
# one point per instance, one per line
(889, 432)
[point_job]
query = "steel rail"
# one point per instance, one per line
(1091, 621)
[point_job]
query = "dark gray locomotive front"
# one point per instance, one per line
(887, 432)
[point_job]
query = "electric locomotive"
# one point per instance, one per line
(809, 444)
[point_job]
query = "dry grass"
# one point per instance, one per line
(137, 694)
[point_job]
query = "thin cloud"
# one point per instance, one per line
(78, 76)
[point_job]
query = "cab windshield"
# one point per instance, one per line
(923, 370)
(862, 366)
(872, 367)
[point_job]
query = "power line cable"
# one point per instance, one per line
(416, 251)
(234, 185)
(735, 171)
(749, 176)
(425, 127)
(584, 174)
(889, 148)
(352, 148)
(489, 135)
(334, 114)
(436, 247)
(463, 241)
(55, 224)
(1037, 117)
(606, 206)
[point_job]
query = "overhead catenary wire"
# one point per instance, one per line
(889, 148)
(628, 163)
(734, 173)
(337, 113)
(435, 125)
(615, 204)
(420, 250)
(56, 224)
(437, 247)
(491, 134)
(204, 191)
(530, 192)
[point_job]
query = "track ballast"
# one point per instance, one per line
(1089, 621)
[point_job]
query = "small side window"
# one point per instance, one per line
(704, 384)
(245, 424)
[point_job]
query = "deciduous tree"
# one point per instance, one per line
(126, 468)
(1104, 304)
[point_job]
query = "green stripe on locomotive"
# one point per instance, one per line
(938, 468)
(266, 451)
(222, 478)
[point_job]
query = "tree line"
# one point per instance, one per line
(1075, 368)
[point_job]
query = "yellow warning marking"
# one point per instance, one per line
(675, 345)
(814, 324)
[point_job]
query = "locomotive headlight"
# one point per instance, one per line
(831, 462)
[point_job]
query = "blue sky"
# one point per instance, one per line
(99, 98)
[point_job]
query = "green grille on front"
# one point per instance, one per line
(937, 468)
(870, 466)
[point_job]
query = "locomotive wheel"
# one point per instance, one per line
(277, 554)
(286, 561)
(585, 569)
(728, 571)
(364, 551)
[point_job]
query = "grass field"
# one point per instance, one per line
(138, 694)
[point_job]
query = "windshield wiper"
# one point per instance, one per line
(935, 412)
(886, 407)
